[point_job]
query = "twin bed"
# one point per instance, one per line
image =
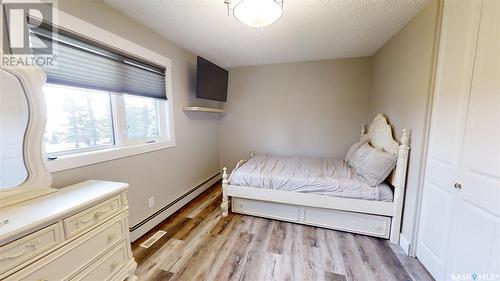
(327, 193)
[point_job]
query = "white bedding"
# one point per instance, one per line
(330, 177)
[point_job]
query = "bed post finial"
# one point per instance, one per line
(225, 199)
(405, 137)
(363, 131)
(224, 175)
(252, 153)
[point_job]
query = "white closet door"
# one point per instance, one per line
(454, 74)
(476, 244)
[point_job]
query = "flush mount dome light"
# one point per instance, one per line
(258, 13)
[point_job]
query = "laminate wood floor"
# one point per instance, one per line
(201, 245)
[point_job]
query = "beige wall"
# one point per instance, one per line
(309, 108)
(164, 174)
(401, 79)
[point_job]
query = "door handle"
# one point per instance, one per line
(458, 185)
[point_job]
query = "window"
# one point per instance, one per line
(82, 120)
(143, 118)
(77, 119)
(103, 103)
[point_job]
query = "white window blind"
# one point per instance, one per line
(83, 63)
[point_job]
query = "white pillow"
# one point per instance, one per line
(353, 149)
(359, 155)
(373, 164)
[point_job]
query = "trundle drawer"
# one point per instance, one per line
(349, 221)
(373, 225)
(92, 216)
(267, 209)
(106, 267)
(67, 261)
(21, 250)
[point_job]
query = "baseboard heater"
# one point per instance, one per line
(172, 203)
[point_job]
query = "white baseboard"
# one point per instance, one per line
(145, 227)
(404, 244)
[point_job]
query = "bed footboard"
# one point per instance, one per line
(225, 181)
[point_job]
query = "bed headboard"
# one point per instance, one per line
(380, 136)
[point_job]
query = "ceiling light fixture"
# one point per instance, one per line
(256, 13)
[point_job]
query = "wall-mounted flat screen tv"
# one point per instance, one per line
(211, 81)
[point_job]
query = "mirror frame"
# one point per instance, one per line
(39, 179)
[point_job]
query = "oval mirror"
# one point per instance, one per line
(14, 116)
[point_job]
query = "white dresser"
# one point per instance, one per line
(80, 232)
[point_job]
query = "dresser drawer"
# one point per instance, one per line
(92, 216)
(69, 260)
(106, 267)
(29, 246)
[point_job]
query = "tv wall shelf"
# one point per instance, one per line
(203, 109)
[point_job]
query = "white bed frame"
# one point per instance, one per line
(374, 218)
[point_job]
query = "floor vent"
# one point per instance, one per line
(151, 240)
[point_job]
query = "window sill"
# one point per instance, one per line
(76, 160)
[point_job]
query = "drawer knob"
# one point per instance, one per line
(114, 266)
(30, 247)
(99, 213)
(33, 244)
(111, 237)
(458, 185)
(4, 222)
